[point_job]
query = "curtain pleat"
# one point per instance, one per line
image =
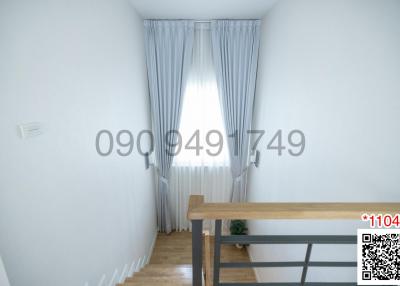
(235, 45)
(169, 47)
(200, 173)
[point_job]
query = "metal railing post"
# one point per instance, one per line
(217, 252)
(197, 251)
(307, 261)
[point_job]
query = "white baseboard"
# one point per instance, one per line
(138, 265)
(150, 254)
(256, 270)
(113, 279)
(123, 274)
(3, 274)
(129, 271)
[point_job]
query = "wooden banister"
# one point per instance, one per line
(198, 210)
(207, 258)
(194, 202)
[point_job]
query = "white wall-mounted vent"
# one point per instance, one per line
(32, 129)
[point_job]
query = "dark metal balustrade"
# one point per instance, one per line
(308, 240)
(198, 211)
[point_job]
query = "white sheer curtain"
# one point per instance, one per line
(200, 173)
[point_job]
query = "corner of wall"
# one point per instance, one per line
(256, 270)
(129, 271)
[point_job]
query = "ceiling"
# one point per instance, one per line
(202, 9)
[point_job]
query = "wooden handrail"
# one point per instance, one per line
(198, 210)
(194, 202)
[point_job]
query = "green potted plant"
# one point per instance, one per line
(238, 227)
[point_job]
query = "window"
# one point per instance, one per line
(202, 128)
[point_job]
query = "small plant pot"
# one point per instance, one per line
(239, 246)
(238, 227)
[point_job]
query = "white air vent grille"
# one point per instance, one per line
(31, 129)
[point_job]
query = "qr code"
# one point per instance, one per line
(378, 257)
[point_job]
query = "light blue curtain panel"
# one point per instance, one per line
(169, 46)
(235, 45)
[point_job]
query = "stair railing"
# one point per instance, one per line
(199, 211)
(207, 258)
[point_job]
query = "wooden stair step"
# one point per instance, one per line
(161, 274)
(159, 283)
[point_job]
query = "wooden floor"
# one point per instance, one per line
(176, 248)
(172, 258)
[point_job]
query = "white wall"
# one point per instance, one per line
(332, 69)
(67, 215)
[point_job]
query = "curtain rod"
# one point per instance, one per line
(229, 19)
(201, 21)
